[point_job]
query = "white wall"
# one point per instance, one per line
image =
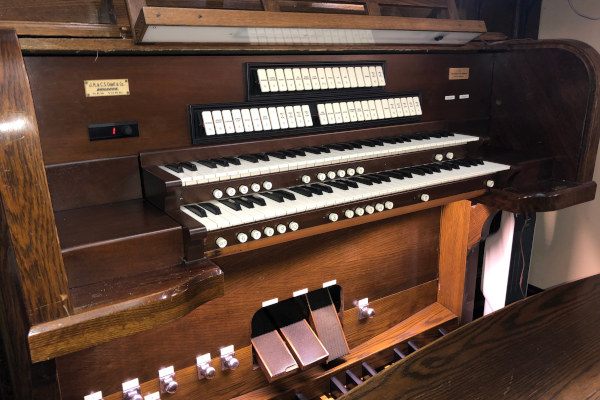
(566, 246)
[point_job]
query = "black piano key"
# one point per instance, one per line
(403, 172)
(355, 145)
(232, 160)
(445, 166)
(335, 147)
(350, 183)
(452, 164)
(372, 178)
(175, 167)
(220, 161)
(276, 154)
(311, 150)
(243, 202)
(463, 163)
(286, 194)
(262, 156)
(347, 146)
(414, 171)
(197, 210)
(189, 166)
(231, 204)
(446, 133)
(393, 174)
(351, 378)
(254, 199)
(362, 180)
(376, 142)
(381, 176)
(389, 140)
(314, 189)
(207, 163)
(302, 191)
(273, 196)
(413, 346)
(366, 143)
(299, 152)
(425, 169)
(337, 184)
(398, 354)
(435, 134)
(368, 370)
(434, 167)
(442, 331)
(323, 149)
(249, 157)
(324, 188)
(288, 153)
(211, 208)
(336, 386)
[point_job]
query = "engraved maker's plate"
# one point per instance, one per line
(106, 87)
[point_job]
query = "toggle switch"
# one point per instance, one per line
(228, 360)
(132, 390)
(94, 396)
(364, 311)
(166, 377)
(204, 367)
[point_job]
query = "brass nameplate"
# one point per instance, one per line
(106, 87)
(458, 73)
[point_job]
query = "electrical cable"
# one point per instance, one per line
(582, 15)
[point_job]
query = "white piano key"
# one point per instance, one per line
(405, 108)
(366, 76)
(298, 116)
(323, 120)
(207, 222)
(337, 113)
(185, 178)
(247, 120)
(218, 122)
(351, 111)
(228, 121)
(315, 79)
(283, 121)
(298, 79)
(373, 76)
(264, 118)
(345, 113)
(207, 122)
(291, 118)
(366, 110)
(255, 115)
(360, 80)
(379, 109)
(289, 80)
(330, 114)
(411, 106)
(237, 120)
(262, 80)
(281, 84)
(306, 115)
(380, 75)
(373, 109)
(306, 81)
(417, 104)
(359, 111)
(330, 78)
(337, 77)
(272, 78)
(322, 79)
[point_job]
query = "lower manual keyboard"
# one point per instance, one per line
(221, 214)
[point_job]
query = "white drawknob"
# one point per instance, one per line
(424, 197)
(268, 231)
(230, 191)
(439, 157)
(379, 207)
(333, 217)
(341, 173)
(359, 211)
(267, 185)
(281, 228)
(321, 176)
(242, 237)
(389, 205)
(360, 170)
(449, 155)
(490, 183)
(255, 187)
(255, 234)
(305, 179)
(293, 226)
(217, 193)
(243, 189)
(349, 213)
(350, 171)
(221, 242)
(370, 209)
(331, 175)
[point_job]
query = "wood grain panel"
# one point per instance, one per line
(163, 121)
(544, 347)
(374, 260)
(454, 233)
(24, 191)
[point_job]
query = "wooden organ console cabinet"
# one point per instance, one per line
(153, 227)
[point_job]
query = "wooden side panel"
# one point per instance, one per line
(373, 260)
(24, 191)
(454, 233)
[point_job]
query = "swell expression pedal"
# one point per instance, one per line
(326, 322)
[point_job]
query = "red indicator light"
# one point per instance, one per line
(114, 130)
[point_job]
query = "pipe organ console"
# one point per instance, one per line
(195, 225)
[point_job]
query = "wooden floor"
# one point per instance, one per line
(544, 347)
